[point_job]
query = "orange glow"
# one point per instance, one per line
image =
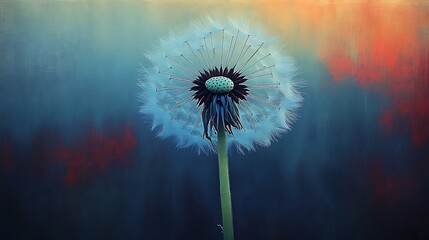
(376, 45)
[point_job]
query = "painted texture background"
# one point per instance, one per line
(77, 161)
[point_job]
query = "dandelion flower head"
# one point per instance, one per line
(219, 75)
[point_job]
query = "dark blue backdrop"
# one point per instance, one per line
(79, 162)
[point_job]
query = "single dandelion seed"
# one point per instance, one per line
(220, 79)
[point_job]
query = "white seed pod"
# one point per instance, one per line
(220, 75)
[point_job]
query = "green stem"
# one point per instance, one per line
(225, 193)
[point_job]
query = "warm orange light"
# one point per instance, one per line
(386, 45)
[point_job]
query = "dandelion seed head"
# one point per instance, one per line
(219, 75)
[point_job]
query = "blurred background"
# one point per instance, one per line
(77, 160)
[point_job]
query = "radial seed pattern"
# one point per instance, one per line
(219, 75)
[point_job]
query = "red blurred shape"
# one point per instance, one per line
(380, 46)
(410, 98)
(395, 63)
(95, 153)
(386, 120)
(388, 186)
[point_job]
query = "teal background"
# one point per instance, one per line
(79, 162)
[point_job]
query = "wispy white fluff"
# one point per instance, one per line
(267, 112)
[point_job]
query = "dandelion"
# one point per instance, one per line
(220, 79)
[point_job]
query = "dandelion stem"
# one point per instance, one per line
(225, 193)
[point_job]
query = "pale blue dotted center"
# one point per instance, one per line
(219, 84)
